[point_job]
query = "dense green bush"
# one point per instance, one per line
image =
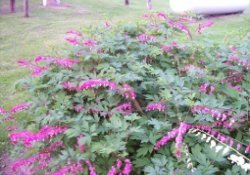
(154, 96)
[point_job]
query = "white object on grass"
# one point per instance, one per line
(45, 2)
(209, 7)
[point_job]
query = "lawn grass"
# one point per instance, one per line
(43, 33)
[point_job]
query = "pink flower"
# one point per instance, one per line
(177, 133)
(128, 92)
(11, 128)
(239, 146)
(204, 26)
(162, 15)
(80, 146)
(92, 170)
(28, 138)
(97, 83)
(9, 118)
(72, 41)
(166, 49)
(2, 111)
(125, 107)
(165, 139)
(169, 48)
(237, 88)
(218, 115)
(53, 147)
(40, 58)
(69, 86)
(62, 62)
(112, 171)
(160, 106)
(66, 62)
(180, 26)
(145, 38)
(107, 24)
(35, 158)
(117, 168)
(72, 169)
(182, 130)
(207, 88)
(79, 108)
(118, 163)
(90, 43)
(247, 150)
(36, 70)
(74, 32)
(127, 168)
(148, 15)
(25, 63)
(19, 107)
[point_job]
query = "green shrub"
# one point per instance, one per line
(109, 106)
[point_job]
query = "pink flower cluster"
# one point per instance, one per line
(107, 24)
(28, 138)
(53, 147)
(178, 133)
(169, 48)
(90, 43)
(221, 137)
(219, 115)
(36, 70)
(180, 26)
(160, 15)
(128, 92)
(204, 26)
(68, 85)
(62, 62)
(160, 106)
(233, 79)
(41, 158)
(207, 88)
(80, 146)
(97, 83)
(74, 32)
(2, 111)
(165, 139)
(9, 118)
(224, 124)
(237, 88)
(125, 90)
(92, 170)
(20, 107)
(15, 109)
(182, 130)
(125, 107)
(73, 40)
(72, 169)
(65, 62)
(234, 59)
(145, 38)
(11, 128)
(79, 108)
(247, 150)
(117, 169)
